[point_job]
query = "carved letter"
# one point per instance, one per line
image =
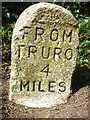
(27, 84)
(67, 36)
(39, 87)
(39, 31)
(51, 86)
(33, 86)
(61, 84)
(57, 51)
(68, 54)
(32, 49)
(48, 52)
(54, 35)
(19, 49)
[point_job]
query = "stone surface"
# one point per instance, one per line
(43, 55)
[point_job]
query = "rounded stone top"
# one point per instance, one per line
(44, 13)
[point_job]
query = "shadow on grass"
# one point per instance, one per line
(80, 78)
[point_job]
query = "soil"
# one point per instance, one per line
(77, 105)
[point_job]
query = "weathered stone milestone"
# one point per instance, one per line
(43, 55)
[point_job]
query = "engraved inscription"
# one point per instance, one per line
(24, 85)
(46, 70)
(67, 36)
(62, 86)
(38, 32)
(45, 54)
(55, 32)
(50, 86)
(19, 49)
(39, 87)
(32, 50)
(68, 54)
(57, 52)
